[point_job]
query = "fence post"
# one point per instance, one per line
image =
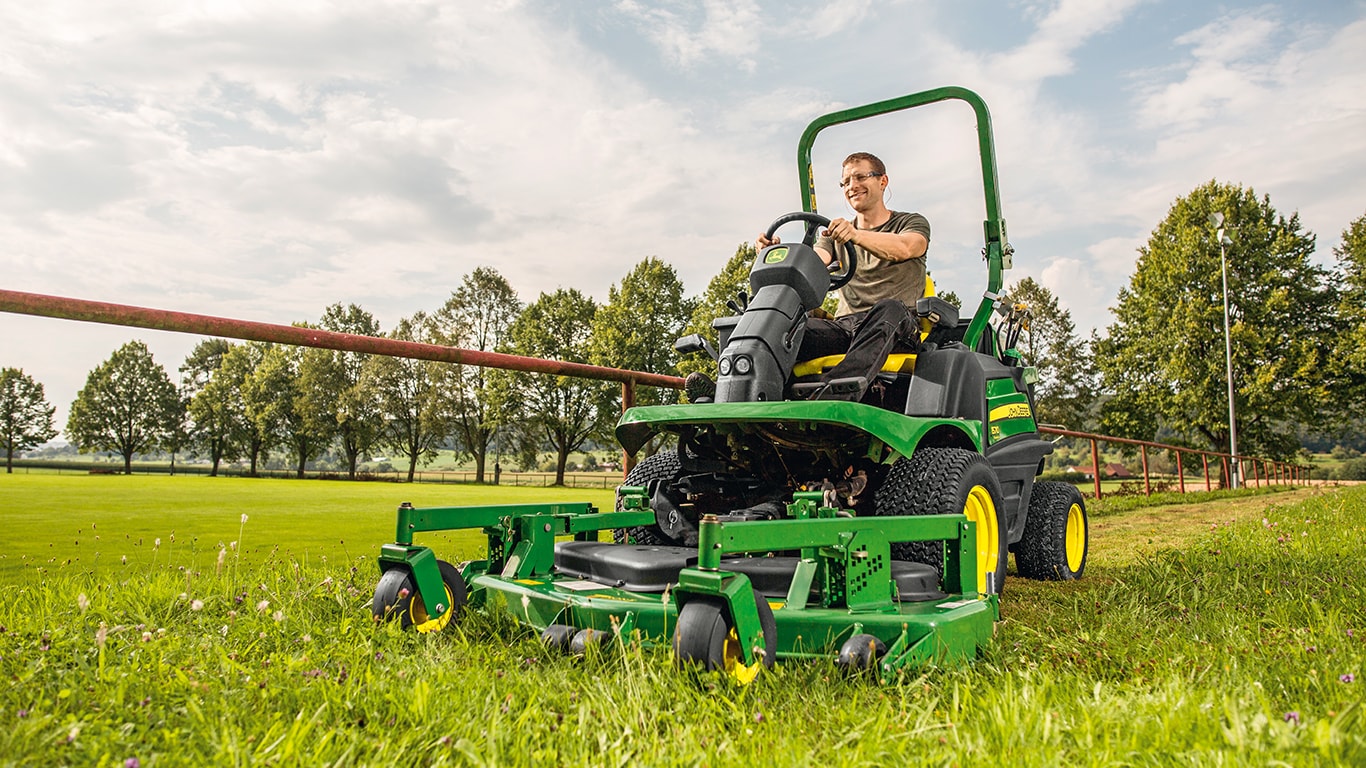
(1147, 489)
(1204, 458)
(1095, 466)
(1180, 472)
(628, 400)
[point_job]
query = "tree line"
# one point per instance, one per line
(1297, 332)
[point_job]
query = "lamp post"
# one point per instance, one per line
(1217, 219)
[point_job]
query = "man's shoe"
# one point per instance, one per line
(699, 387)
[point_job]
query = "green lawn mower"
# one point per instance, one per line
(875, 533)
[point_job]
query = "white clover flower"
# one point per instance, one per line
(263, 606)
(197, 605)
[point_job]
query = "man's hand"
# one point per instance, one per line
(763, 241)
(841, 231)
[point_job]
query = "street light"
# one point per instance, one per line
(1217, 219)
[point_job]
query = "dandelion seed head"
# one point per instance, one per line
(197, 605)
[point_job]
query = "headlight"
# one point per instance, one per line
(743, 365)
(725, 366)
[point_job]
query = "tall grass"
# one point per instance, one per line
(1244, 646)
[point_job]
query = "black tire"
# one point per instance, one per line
(588, 638)
(705, 637)
(664, 467)
(557, 637)
(948, 481)
(861, 653)
(396, 597)
(1057, 534)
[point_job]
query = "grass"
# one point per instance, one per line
(1225, 633)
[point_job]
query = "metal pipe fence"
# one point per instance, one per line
(1263, 471)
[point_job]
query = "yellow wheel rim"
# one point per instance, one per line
(981, 510)
(1076, 537)
(735, 660)
(417, 612)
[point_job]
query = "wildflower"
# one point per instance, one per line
(101, 634)
(1348, 678)
(306, 639)
(232, 545)
(1292, 717)
(82, 602)
(263, 606)
(758, 717)
(244, 518)
(222, 555)
(132, 762)
(197, 605)
(125, 562)
(156, 543)
(223, 630)
(278, 616)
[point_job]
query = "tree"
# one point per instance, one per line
(128, 405)
(565, 411)
(637, 327)
(275, 400)
(733, 278)
(1065, 392)
(25, 415)
(413, 395)
(252, 436)
(334, 399)
(1163, 359)
(1349, 350)
(213, 414)
(477, 316)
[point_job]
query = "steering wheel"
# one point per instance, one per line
(814, 220)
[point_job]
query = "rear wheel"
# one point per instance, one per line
(396, 597)
(1056, 535)
(663, 467)
(706, 636)
(946, 481)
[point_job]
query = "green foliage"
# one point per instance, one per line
(637, 327)
(565, 412)
(1244, 647)
(334, 400)
(1065, 393)
(274, 396)
(25, 415)
(1349, 350)
(733, 278)
(128, 405)
(477, 316)
(1163, 360)
(413, 395)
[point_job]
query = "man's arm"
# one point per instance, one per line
(888, 246)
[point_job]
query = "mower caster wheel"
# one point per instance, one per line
(861, 654)
(587, 638)
(396, 597)
(706, 636)
(558, 637)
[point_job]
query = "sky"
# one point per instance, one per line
(262, 160)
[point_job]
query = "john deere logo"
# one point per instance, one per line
(776, 255)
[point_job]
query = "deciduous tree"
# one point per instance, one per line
(637, 327)
(733, 278)
(477, 316)
(564, 411)
(274, 396)
(333, 395)
(413, 395)
(25, 415)
(1065, 391)
(128, 405)
(1163, 359)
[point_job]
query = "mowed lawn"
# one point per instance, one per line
(1228, 632)
(106, 525)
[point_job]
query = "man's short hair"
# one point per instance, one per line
(878, 167)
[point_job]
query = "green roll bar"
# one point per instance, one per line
(997, 250)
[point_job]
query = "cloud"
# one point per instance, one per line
(725, 29)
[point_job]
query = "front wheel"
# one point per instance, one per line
(947, 481)
(1056, 535)
(705, 636)
(396, 597)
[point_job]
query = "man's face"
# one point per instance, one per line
(862, 189)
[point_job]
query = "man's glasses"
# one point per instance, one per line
(858, 177)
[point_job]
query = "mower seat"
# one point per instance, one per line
(897, 363)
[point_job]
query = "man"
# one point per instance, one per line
(874, 316)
